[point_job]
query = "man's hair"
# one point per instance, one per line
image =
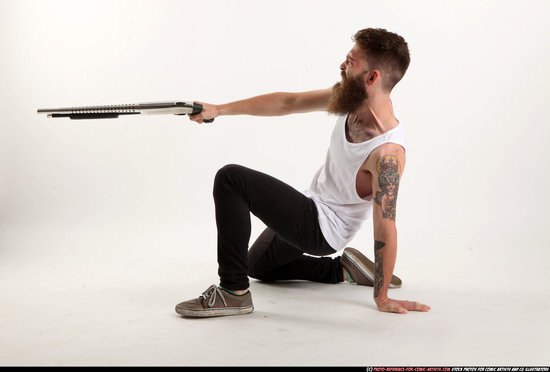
(384, 51)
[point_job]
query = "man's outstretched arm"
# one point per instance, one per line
(272, 104)
(387, 168)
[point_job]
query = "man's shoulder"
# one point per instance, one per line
(390, 148)
(385, 151)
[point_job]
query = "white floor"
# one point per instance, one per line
(114, 306)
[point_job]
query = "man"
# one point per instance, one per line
(360, 178)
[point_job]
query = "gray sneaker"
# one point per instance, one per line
(361, 269)
(216, 302)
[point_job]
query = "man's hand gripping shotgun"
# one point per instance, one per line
(114, 111)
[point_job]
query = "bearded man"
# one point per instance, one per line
(367, 149)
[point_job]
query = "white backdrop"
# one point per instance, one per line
(135, 192)
(473, 103)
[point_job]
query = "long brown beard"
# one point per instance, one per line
(347, 96)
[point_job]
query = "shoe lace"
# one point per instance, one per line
(211, 293)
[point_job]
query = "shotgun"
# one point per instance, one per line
(114, 111)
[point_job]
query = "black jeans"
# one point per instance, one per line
(293, 229)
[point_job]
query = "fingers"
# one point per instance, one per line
(198, 118)
(402, 307)
(414, 306)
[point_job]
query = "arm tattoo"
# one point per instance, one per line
(378, 267)
(388, 168)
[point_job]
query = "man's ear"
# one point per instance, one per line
(372, 77)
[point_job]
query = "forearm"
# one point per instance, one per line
(272, 104)
(277, 104)
(385, 255)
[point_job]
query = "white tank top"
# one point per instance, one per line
(333, 189)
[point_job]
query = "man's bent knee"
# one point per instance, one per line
(227, 171)
(225, 174)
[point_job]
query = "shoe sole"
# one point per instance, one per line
(366, 266)
(214, 312)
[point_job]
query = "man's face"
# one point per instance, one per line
(349, 94)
